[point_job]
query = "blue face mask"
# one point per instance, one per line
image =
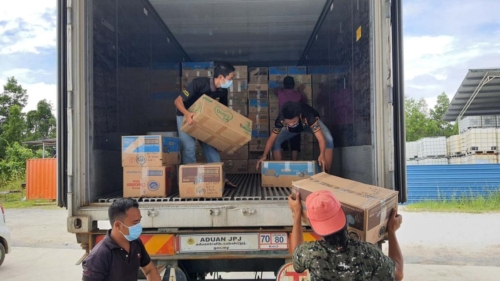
(133, 232)
(227, 84)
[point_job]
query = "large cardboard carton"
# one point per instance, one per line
(239, 85)
(150, 151)
(258, 91)
(240, 154)
(201, 180)
(276, 81)
(258, 74)
(218, 125)
(367, 207)
(149, 181)
(283, 173)
(236, 166)
(240, 72)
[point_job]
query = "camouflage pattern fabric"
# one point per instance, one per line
(360, 261)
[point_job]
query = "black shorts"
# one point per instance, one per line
(293, 143)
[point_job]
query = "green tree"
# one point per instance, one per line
(41, 123)
(441, 127)
(14, 129)
(13, 166)
(13, 94)
(416, 118)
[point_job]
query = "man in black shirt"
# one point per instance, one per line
(297, 118)
(215, 88)
(120, 254)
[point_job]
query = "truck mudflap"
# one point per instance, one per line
(216, 245)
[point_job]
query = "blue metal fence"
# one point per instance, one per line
(444, 182)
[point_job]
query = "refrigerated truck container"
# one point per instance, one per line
(108, 51)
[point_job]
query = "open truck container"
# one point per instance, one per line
(108, 53)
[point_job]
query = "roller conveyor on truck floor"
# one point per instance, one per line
(248, 188)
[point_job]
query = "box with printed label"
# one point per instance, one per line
(278, 70)
(150, 150)
(240, 108)
(218, 125)
(201, 180)
(198, 65)
(258, 106)
(149, 181)
(260, 133)
(297, 70)
(283, 173)
(367, 207)
(236, 166)
(237, 98)
(274, 109)
(258, 91)
(240, 154)
(197, 73)
(239, 85)
(258, 74)
(240, 72)
(260, 121)
(276, 81)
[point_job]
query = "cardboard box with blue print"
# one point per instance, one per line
(367, 207)
(150, 151)
(239, 86)
(149, 181)
(201, 180)
(240, 72)
(258, 74)
(283, 173)
(258, 91)
(258, 106)
(218, 125)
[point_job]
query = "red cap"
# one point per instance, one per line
(325, 213)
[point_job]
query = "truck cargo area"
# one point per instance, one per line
(123, 47)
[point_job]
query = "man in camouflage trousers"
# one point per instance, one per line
(337, 256)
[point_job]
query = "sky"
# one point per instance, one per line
(442, 40)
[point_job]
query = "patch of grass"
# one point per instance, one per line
(15, 200)
(480, 204)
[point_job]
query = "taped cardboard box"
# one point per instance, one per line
(236, 166)
(150, 150)
(218, 125)
(258, 91)
(240, 72)
(240, 154)
(240, 108)
(149, 181)
(367, 207)
(239, 85)
(258, 74)
(258, 106)
(201, 180)
(283, 173)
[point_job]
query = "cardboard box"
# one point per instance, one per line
(278, 70)
(239, 85)
(258, 91)
(257, 147)
(236, 166)
(255, 155)
(258, 74)
(258, 107)
(150, 151)
(240, 108)
(273, 98)
(260, 133)
(367, 207)
(197, 73)
(283, 173)
(240, 154)
(201, 180)
(259, 120)
(241, 72)
(301, 79)
(218, 125)
(251, 167)
(149, 181)
(274, 110)
(259, 141)
(198, 65)
(237, 98)
(276, 81)
(297, 70)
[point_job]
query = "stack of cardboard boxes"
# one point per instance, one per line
(150, 165)
(258, 112)
(192, 70)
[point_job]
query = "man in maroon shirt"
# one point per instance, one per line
(286, 94)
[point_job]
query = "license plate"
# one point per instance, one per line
(202, 243)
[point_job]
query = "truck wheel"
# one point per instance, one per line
(2, 253)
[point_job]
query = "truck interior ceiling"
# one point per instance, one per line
(133, 43)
